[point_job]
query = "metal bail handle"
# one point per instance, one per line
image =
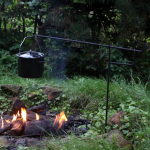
(33, 36)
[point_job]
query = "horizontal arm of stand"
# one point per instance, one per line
(90, 43)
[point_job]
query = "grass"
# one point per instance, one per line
(75, 143)
(88, 96)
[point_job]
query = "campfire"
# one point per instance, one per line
(35, 122)
(27, 122)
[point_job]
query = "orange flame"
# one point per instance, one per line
(37, 116)
(18, 114)
(60, 118)
(24, 114)
(2, 122)
(14, 117)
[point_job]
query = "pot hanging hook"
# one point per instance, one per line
(33, 36)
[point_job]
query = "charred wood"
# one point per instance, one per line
(17, 107)
(5, 128)
(42, 127)
(32, 116)
(40, 109)
(6, 125)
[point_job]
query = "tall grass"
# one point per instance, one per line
(91, 92)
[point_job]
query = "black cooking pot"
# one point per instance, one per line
(30, 63)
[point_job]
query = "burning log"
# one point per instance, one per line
(17, 107)
(32, 116)
(4, 125)
(17, 128)
(40, 109)
(42, 127)
(5, 128)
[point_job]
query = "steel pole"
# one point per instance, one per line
(107, 98)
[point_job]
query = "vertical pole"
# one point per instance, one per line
(108, 79)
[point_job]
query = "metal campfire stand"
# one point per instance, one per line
(109, 61)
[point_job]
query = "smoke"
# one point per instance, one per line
(59, 62)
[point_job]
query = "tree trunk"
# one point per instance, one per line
(39, 21)
(0, 24)
(35, 24)
(3, 9)
(23, 23)
(5, 25)
(19, 28)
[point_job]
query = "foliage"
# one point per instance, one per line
(26, 97)
(87, 96)
(110, 22)
(8, 63)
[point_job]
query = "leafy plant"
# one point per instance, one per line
(8, 63)
(37, 99)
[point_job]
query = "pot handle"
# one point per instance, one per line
(33, 36)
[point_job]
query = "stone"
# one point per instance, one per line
(31, 95)
(115, 119)
(117, 136)
(13, 99)
(33, 141)
(51, 92)
(4, 142)
(36, 143)
(21, 142)
(14, 89)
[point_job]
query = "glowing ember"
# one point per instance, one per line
(8, 121)
(60, 119)
(24, 114)
(2, 122)
(37, 116)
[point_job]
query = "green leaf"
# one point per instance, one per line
(148, 40)
(131, 108)
(22, 3)
(15, 47)
(122, 106)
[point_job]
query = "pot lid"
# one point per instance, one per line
(30, 54)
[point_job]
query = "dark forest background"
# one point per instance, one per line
(111, 22)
